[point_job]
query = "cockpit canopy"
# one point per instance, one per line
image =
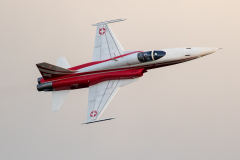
(150, 55)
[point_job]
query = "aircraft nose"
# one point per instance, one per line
(207, 50)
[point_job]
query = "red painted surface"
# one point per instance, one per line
(93, 113)
(97, 62)
(169, 63)
(88, 80)
(87, 65)
(102, 31)
(151, 66)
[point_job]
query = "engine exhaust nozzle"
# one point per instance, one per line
(39, 80)
(45, 87)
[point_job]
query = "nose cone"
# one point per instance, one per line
(207, 50)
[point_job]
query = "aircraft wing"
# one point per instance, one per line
(100, 95)
(106, 45)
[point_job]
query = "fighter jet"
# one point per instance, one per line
(111, 68)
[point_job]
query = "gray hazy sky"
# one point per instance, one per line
(188, 111)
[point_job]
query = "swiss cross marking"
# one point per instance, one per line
(93, 113)
(102, 31)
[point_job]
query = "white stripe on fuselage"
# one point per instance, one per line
(131, 61)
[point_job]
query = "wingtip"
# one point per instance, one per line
(99, 120)
(111, 21)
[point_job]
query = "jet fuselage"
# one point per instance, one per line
(130, 65)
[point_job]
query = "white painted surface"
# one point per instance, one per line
(58, 97)
(101, 94)
(62, 62)
(106, 44)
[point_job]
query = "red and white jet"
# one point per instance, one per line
(111, 68)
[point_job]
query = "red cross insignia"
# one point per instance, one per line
(93, 113)
(102, 31)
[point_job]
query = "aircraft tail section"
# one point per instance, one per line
(50, 71)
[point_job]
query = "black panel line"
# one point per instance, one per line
(100, 46)
(110, 96)
(113, 40)
(102, 97)
(108, 46)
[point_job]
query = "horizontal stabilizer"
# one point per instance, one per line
(58, 98)
(100, 120)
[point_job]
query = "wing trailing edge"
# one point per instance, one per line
(101, 94)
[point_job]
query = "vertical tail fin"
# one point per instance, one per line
(50, 71)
